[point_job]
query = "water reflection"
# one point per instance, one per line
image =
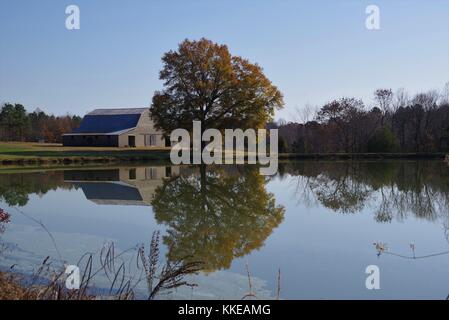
(215, 214)
(120, 186)
(15, 188)
(398, 188)
(394, 189)
(219, 213)
(212, 214)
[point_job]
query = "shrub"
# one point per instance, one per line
(382, 141)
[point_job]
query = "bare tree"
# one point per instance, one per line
(384, 99)
(427, 100)
(444, 95)
(306, 113)
(400, 99)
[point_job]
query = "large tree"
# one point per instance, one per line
(204, 82)
(343, 118)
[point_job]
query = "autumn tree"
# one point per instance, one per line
(204, 82)
(343, 115)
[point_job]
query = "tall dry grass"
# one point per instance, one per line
(48, 282)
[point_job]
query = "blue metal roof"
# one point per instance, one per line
(107, 123)
(109, 191)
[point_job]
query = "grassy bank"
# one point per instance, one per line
(18, 153)
(373, 156)
(36, 154)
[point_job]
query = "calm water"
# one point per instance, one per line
(315, 221)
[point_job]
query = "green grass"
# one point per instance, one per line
(379, 156)
(18, 152)
(36, 154)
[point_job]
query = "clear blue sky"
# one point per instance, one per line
(312, 50)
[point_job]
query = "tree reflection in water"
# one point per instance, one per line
(215, 214)
(15, 188)
(392, 189)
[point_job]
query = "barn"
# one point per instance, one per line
(131, 127)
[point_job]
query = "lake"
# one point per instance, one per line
(315, 221)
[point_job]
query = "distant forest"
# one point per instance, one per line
(16, 124)
(395, 123)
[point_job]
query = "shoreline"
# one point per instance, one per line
(356, 156)
(138, 156)
(24, 154)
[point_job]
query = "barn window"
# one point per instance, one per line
(132, 174)
(151, 173)
(152, 139)
(167, 172)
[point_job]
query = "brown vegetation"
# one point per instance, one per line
(48, 283)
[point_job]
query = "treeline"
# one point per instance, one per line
(16, 124)
(395, 123)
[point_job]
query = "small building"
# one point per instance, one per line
(116, 128)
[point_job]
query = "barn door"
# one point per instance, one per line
(132, 141)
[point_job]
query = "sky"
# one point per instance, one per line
(313, 51)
